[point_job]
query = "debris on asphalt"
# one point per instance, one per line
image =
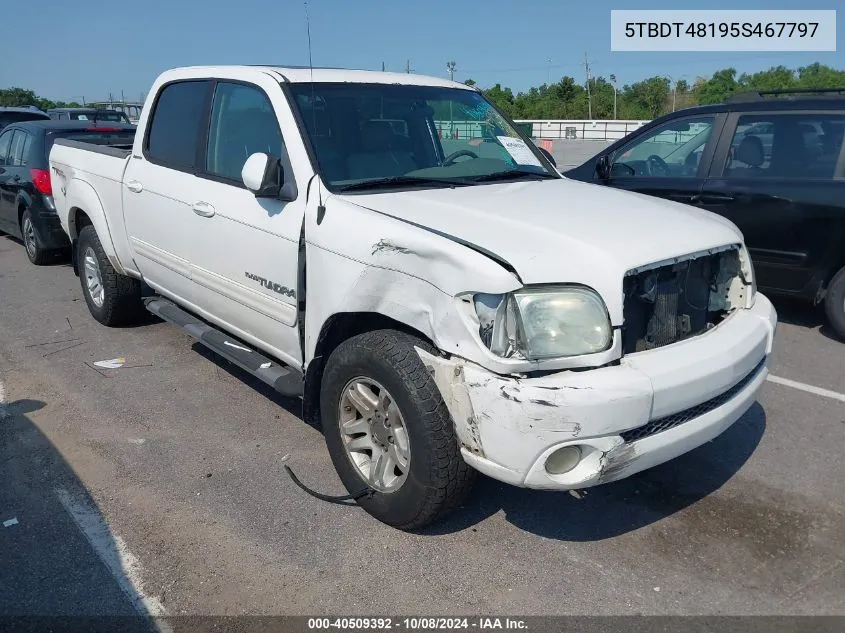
(67, 340)
(657, 588)
(63, 349)
(114, 363)
(136, 440)
(91, 367)
(10, 522)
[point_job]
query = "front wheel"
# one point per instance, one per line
(112, 298)
(387, 428)
(834, 303)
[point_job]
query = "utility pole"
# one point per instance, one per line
(613, 81)
(587, 75)
(382, 67)
(549, 72)
(408, 67)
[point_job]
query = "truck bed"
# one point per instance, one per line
(118, 151)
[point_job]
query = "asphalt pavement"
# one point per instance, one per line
(158, 487)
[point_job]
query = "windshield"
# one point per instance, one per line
(404, 133)
(100, 115)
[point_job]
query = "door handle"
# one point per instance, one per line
(203, 209)
(134, 186)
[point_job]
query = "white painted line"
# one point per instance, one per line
(4, 408)
(111, 549)
(10, 522)
(826, 393)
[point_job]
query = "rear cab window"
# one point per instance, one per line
(174, 131)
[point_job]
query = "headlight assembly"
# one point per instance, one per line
(544, 322)
(747, 267)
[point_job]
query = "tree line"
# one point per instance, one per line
(567, 99)
(649, 98)
(20, 97)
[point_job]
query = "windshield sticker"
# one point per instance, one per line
(519, 151)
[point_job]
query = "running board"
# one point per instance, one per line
(282, 378)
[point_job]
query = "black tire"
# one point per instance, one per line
(834, 303)
(35, 252)
(438, 478)
(121, 303)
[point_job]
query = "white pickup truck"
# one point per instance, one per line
(390, 248)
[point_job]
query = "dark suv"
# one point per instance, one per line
(26, 192)
(771, 162)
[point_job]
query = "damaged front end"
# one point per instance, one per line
(670, 302)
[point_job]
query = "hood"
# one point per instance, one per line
(561, 231)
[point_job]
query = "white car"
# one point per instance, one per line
(442, 305)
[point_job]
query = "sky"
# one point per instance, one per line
(89, 49)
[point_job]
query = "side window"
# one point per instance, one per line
(174, 129)
(16, 153)
(242, 123)
(673, 149)
(5, 142)
(785, 146)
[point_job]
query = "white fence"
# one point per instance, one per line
(590, 130)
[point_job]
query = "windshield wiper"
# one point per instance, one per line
(400, 181)
(513, 174)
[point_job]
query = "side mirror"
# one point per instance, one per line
(548, 155)
(603, 167)
(263, 175)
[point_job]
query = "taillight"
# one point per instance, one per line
(41, 180)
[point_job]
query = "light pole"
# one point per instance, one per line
(613, 81)
(549, 72)
(450, 66)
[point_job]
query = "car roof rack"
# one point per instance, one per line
(759, 95)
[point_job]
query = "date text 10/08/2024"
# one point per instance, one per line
(416, 624)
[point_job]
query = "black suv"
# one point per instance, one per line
(26, 193)
(771, 162)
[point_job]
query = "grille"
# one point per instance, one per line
(671, 303)
(671, 421)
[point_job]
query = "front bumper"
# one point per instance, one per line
(651, 407)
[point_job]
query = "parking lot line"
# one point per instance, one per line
(808, 388)
(121, 563)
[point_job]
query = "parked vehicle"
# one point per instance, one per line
(9, 115)
(131, 109)
(775, 167)
(441, 305)
(88, 114)
(26, 196)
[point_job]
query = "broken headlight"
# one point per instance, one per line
(747, 267)
(544, 322)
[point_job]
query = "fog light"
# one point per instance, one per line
(563, 460)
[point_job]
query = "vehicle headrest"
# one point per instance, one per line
(376, 136)
(750, 151)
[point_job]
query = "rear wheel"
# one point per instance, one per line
(112, 298)
(834, 303)
(387, 428)
(36, 253)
